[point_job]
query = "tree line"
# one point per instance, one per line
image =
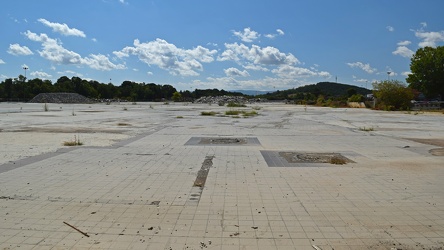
(21, 89)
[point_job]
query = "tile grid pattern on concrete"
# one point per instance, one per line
(137, 195)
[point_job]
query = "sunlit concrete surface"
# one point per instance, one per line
(138, 183)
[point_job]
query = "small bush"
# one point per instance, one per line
(232, 112)
(179, 117)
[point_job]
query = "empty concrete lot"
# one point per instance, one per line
(157, 176)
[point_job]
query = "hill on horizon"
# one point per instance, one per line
(321, 88)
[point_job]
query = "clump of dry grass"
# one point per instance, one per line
(123, 124)
(75, 142)
(367, 129)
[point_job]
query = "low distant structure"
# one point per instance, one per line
(60, 98)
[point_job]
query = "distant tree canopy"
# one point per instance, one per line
(392, 95)
(427, 71)
(19, 89)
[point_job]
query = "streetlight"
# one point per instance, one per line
(388, 74)
(25, 68)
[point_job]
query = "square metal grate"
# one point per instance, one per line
(303, 159)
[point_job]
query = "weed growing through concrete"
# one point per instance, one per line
(75, 142)
(208, 113)
(233, 112)
(46, 107)
(235, 105)
(125, 108)
(241, 112)
(248, 114)
(366, 129)
(179, 117)
(123, 124)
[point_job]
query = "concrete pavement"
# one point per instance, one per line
(141, 192)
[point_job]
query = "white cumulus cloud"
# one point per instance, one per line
(17, 50)
(177, 61)
(272, 36)
(404, 43)
(366, 67)
(430, 39)
(62, 28)
(247, 35)
(390, 28)
(403, 51)
(2, 62)
(101, 62)
(53, 51)
(41, 75)
(233, 72)
(256, 55)
(288, 71)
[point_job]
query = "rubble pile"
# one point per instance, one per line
(60, 98)
(222, 100)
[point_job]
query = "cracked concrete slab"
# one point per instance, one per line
(133, 187)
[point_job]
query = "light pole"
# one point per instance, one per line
(25, 68)
(388, 74)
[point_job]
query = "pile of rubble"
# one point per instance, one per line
(60, 98)
(222, 100)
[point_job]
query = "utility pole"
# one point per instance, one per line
(25, 68)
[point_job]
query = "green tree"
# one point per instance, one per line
(392, 95)
(427, 71)
(8, 88)
(176, 96)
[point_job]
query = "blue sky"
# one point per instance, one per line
(241, 44)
